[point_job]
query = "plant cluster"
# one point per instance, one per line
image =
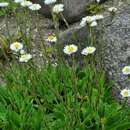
(70, 94)
(94, 8)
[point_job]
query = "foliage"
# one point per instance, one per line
(50, 99)
(12, 8)
(94, 8)
(72, 95)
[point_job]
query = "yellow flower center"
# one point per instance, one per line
(90, 49)
(51, 37)
(127, 70)
(126, 93)
(70, 49)
(16, 45)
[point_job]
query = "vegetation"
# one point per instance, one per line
(94, 9)
(10, 9)
(70, 94)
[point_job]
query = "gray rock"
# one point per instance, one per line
(74, 9)
(116, 53)
(114, 45)
(74, 34)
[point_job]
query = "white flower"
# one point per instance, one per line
(16, 46)
(52, 38)
(48, 2)
(4, 4)
(126, 70)
(98, 17)
(18, 1)
(98, 1)
(93, 24)
(26, 3)
(22, 52)
(35, 7)
(83, 22)
(70, 49)
(125, 93)
(90, 19)
(58, 8)
(25, 57)
(55, 64)
(112, 9)
(87, 19)
(41, 55)
(88, 50)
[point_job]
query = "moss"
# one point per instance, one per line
(94, 8)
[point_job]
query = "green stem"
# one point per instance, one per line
(62, 16)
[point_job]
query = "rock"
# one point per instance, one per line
(116, 53)
(45, 9)
(74, 34)
(114, 45)
(74, 9)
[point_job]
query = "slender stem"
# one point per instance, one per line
(124, 104)
(62, 16)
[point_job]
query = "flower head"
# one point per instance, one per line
(22, 52)
(16, 46)
(25, 57)
(98, 1)
(70, 49)
(83, 22)
(112, 9)
(125, 93)
(99, 17)
(4, 4)
(48, 2)
(87, 19)
(52, 38)
(93, 24)
(88, 50)
(58, 8)
(126, 70)
(91, 20)
(18, 1)
(35, 7)
(26, 3)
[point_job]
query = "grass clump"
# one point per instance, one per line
(71, 94)
(59, 98)
(11, 9)
(94, 8)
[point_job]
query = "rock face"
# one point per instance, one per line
(74, 35)
(74, 9)
(114, 45)
(117, 50)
